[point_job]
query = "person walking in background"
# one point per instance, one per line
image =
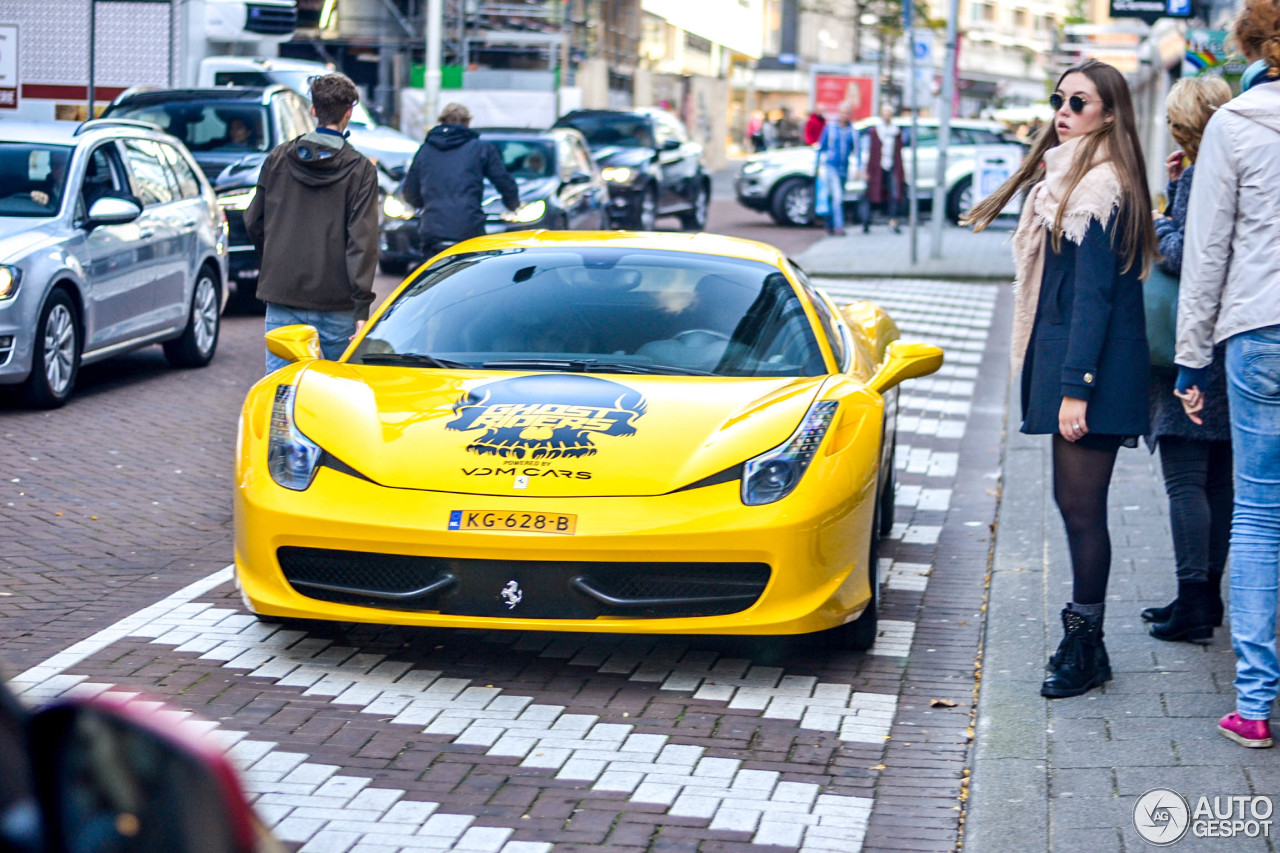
(769, 132)
(789, 131)
(1230, 293)
(755, 127)
(446, 181)
(1082, 246)
(813, 127)
(314, 222)
(886, 178)
(1195, 459)
(836, 145)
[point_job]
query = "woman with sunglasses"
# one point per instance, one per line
(1083, 244)
(1230, 292)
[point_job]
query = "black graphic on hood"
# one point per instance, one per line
(547, 416)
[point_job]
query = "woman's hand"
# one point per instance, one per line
(1173, 165)
(1071, 420)
(1192, 403)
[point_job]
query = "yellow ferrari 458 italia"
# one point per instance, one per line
(612, 432)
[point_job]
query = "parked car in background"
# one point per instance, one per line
(780, 182)
(387, 147)
(651, 166)
(110, 239)
(560, 189)
(229, 131)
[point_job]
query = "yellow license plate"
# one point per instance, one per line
(513, 522)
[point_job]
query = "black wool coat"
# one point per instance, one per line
(1089, 339)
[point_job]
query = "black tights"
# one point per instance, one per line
(1081, 478)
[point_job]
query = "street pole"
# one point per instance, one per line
(944, 134)
(566, 36)
(431, 77)
(912, 214)
(93, 29)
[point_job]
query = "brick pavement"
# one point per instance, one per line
(1065, 775)
(367, 738)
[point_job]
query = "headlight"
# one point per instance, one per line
(773, 475)
(291, 456)
(617, 174)
(9, 278)
(531, 212)
(753, 167)
(237, 199)
(394, 208)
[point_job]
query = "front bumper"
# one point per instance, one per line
(816, 558)
(752, 191)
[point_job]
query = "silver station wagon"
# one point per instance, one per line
(110, 239)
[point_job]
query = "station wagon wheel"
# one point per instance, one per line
(56, 358)
(793, 202)
(960, 199)
(199, 340)
(696, 217)
(647, 215)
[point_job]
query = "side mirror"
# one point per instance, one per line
(112, 211)
(905, 361)
(294, 343)
(113, 776)
(579, 178)
(671, 145)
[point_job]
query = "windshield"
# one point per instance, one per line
(211, 126)
(32, 178)
(601, 309)
(526, 158)
(624, 130)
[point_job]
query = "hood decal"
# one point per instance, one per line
(546, 416)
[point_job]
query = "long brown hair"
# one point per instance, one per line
(1137, 242)
(1257, 31)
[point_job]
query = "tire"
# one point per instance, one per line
(199, 340)
(390, 267)
(695, 219)
(860, 634)
(792, 202)
(55, 360)
(960, 199)
(887, 496)
(645, 215)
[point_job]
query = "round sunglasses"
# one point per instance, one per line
(1076, 103)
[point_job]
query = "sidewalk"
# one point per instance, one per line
(1065, 775)
(883, 254)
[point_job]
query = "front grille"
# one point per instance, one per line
(6, 349)
(270, 20)
(545, 589)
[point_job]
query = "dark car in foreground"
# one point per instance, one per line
(560, 189)
(229, 131)
(651, 166)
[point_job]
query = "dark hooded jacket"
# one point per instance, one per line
(446, 181)
(314, 222)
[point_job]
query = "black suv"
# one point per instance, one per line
(651, 166)
(229, 132)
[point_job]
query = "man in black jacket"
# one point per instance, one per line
(446, 181)
(314, 222)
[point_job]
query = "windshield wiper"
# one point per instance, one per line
(591, 365)
(420, 359)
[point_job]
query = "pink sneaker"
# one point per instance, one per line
(1255, 734)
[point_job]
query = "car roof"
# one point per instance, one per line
(228, 94)
(701, 243)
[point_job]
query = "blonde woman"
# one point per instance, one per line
(1083, 245)
(1195, 457)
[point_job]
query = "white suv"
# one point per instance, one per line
(780, 182)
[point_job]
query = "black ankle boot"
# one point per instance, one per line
(1158, 614)
(1215, 598)
(1081, 660)
(1192, 617)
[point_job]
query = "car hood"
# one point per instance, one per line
(390, 148)
(783, 156)
(19, 235)
(543, 434)
(240, 173)
(612, 155)
(530, 190)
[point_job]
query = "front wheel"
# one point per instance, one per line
(56, 359)
(646, 214)
(695, 218)
(793, 202)
(199, 340)
(860, 634)
(960, 199)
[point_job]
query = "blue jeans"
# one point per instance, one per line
(1253, 388)
(834, 185)
(335, 328)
